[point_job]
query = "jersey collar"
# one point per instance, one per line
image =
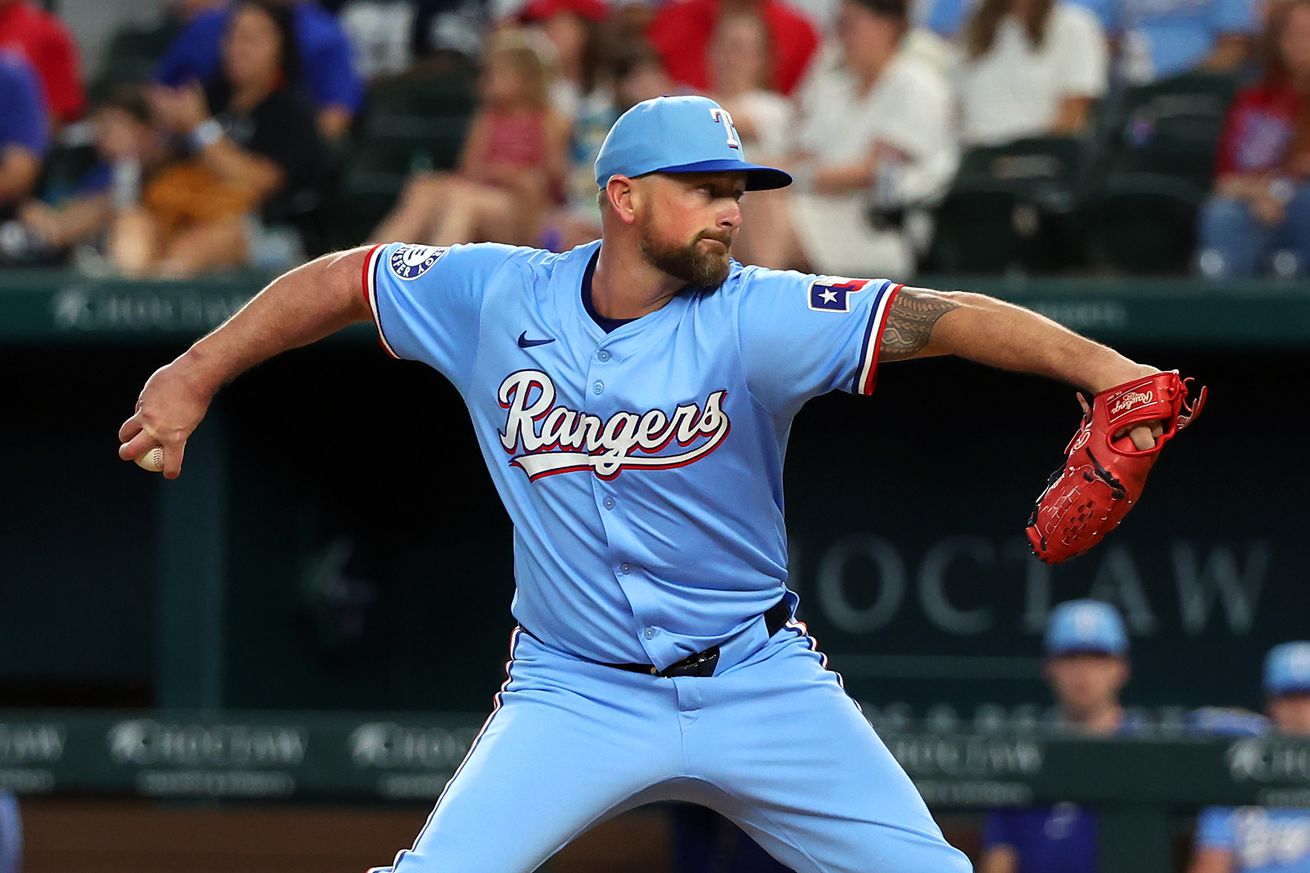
(648, 326)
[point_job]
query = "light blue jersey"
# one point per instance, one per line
(641, 464)
(642, 468)
(1261, 840)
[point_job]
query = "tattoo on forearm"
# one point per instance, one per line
(910, 322)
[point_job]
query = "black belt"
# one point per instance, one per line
(703, 663)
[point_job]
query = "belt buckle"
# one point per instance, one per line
(699, 664)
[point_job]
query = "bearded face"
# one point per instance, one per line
(704, 261)
(687, 223)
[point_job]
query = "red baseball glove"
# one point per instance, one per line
(1104, 472)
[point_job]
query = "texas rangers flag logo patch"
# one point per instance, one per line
(832, 293)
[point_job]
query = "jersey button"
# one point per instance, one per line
(625, 568)
(609, 502)
(599, 387)
(603, 355)
(651, 632)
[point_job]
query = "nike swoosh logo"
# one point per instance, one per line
(525, 343)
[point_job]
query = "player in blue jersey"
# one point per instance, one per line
(1256, 839)
(632, 399)
(1087, 666)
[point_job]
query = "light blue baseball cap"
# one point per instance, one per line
(1287, 669)
(679, 135)
(1085, 626)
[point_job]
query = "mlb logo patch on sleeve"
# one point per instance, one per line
(832, 294)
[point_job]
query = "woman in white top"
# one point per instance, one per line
(1029, 68)
(872, 147)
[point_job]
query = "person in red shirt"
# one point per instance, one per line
(49, 48)
(681, 34)
(1258, 216)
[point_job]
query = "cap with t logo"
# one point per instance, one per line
(679, 135)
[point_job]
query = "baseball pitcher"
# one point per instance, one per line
(632, 399)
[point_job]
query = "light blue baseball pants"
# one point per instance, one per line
(771, 741)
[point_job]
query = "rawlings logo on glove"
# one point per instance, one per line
(1104, 472)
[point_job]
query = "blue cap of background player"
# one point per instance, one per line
(679, 135)
(1085, 626)
(1287, 669)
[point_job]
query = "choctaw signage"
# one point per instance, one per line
(408, 761)
(195, 758)
(28, 752)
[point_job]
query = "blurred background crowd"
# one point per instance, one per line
(1049, 136)
(176, 138)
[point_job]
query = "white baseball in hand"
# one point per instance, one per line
(152, 460)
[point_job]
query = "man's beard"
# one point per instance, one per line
(688, 262)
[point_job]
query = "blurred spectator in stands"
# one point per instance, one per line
(634, 17)
(256, 160)
(385, 35)
(1030, 68)
(873, 146)
(11, 835)
(512, 166)
(739, 82)
(630, 74)
(1259, 839)
(390, 36)
(936, 48)
(129, 149)
(134, 49)
(1150, 39)
(1086, 667)
(48, 46)
(1259, 214)
(681, 33)
(24, 130)
(573, 28)
(1156, 39)
(327, 70)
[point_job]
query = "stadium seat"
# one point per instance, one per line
(1143, 223)
(1156, 147)
(1009, 207)
(445, 95)
(410, 141)
(130, 57)
(1170, 128)
(373, 177)
(407, 136)
(368, 187)
(412, 123)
